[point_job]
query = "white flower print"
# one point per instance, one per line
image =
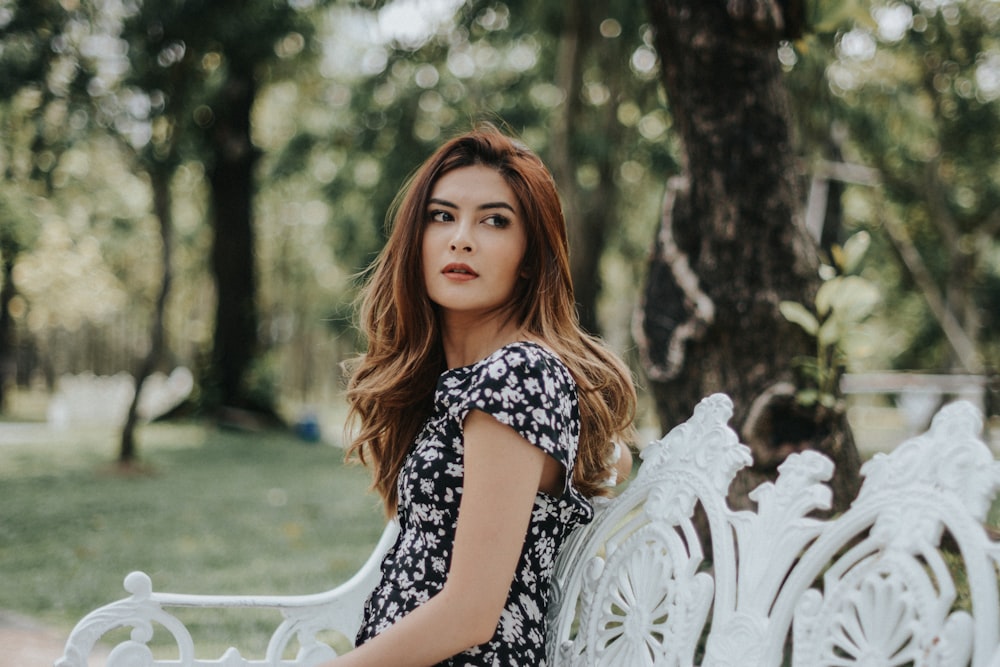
(511, 395)
(497, 370)
(530, 607)
(511, 624)
(538, 414)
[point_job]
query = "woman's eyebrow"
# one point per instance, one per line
(481, 207)
(496, 204)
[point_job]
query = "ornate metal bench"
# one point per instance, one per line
(907, 576)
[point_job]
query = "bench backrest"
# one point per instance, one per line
(907, 576)
(874, 586)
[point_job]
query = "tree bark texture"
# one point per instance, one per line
(580, 136)
(731, 245)
(233, 268)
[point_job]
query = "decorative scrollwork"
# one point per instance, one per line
(130, 654)
(888, 595)
(643, 603)
(737, 642)
(704, 446)
(950, 458)
(886, 610)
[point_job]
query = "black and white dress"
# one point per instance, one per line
(526, 387)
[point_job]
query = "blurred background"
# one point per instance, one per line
(256, 147)
(191, 192)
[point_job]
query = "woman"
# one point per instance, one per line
(487, 414)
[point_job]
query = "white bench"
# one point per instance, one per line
(872, 586)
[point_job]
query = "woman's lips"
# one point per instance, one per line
(459, 272)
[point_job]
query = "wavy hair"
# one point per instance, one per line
(391, 387)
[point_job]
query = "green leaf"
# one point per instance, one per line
(855, 299)
(796, 313)
(826, 296)
(849, 299)
(807, 397)
(854, 250)
(830, 333)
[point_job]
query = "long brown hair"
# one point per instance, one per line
(391, 388)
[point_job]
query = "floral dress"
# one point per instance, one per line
(526, 387)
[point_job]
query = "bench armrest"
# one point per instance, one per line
(305, 616)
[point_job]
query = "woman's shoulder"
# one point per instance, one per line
(526, 357)
(523, 373)
(526, 386)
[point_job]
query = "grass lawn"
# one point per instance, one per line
(219, 512)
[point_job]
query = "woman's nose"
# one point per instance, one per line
(461, 240)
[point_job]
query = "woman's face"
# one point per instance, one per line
(474, 242)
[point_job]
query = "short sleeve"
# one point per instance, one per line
(529, 389)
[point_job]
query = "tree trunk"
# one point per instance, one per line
(589, 211)
(731, 245)
(574, 43)
(232, 189)
(160, 178)
(8, 345)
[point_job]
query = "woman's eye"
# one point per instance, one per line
(439, 216)
(497, 220)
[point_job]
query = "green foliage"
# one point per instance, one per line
(913, 93)
(345, 111)
(180, 55)
(842, 302)
(825, 16)
(26, 31)
(342, 117)
(18, 231)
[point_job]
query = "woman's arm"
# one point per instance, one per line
(502, 476)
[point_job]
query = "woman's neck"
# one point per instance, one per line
(468, 340)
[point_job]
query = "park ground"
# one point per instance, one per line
(26, 643)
